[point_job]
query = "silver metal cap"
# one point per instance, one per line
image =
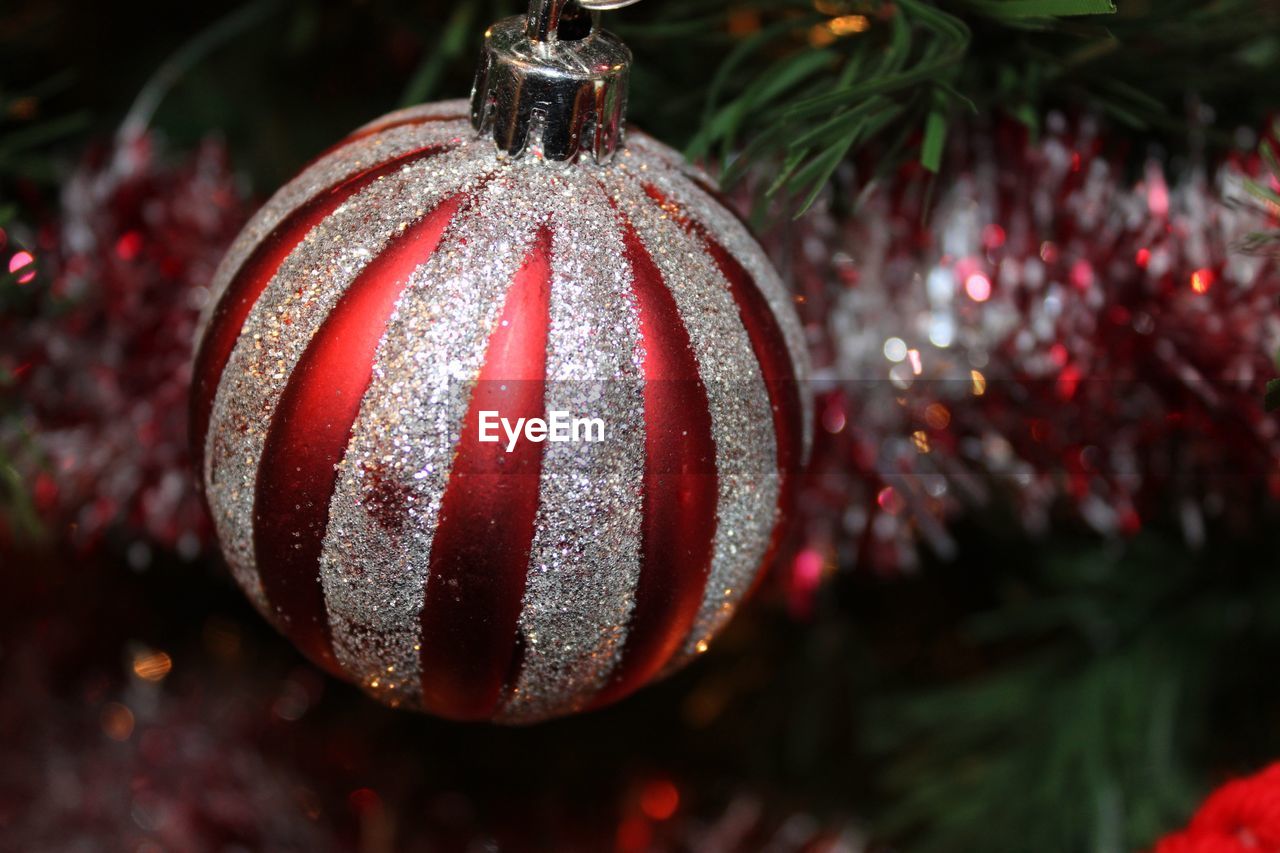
(552, 83)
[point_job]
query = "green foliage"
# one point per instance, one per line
(801, 87)
(1108, 664)
(806, 86)
(1016, 10)
(25, 136)
(455, 42)
(1268, 198)
(811, 107)
(1272, 396)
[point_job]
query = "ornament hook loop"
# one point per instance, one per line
(548, 17)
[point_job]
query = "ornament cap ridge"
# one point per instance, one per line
(552, 84)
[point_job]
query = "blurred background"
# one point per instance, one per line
(1029, 601)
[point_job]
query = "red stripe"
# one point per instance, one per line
(379, 128)
(310, 431)
(680, 485)
(251, 280)
(480, 554)
(771, 351)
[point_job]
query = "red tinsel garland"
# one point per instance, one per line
(1042, 332)
(93, 420)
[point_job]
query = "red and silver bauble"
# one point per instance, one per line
(415, 276)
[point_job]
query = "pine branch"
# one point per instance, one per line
(26, 135)
(1091, 734)
(1266, 194)
(805, 86)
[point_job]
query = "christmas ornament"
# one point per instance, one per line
(1243, 816)
(97, 355)
(1042, 333)
(443, 271)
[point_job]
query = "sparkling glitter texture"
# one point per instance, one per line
(374, 515)
(1044, 334)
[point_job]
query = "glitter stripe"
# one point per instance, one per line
(392, 479)
(586, 552)
(252, 279)
(310, 431)
(326, 172)
(480, 555)
(280, 326)
(680, 484)
(771, 351)
(741, 422)
(774, 358)
(680, 184)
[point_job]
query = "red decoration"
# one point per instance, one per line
(411, 281)
(1038, 332)
(1243, 816)
(99, 351)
